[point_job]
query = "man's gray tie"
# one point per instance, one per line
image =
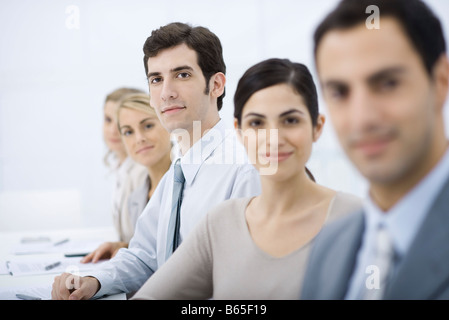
(384, 260)
(173, 238)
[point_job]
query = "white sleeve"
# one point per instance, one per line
(187, 274)
(131, 267)
(247, 182)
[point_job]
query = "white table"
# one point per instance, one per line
(11, 240)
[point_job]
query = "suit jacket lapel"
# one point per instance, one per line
(424, 268)
(341, 260)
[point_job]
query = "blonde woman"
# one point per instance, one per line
(128, 174)
(148, 144)
(116, 153)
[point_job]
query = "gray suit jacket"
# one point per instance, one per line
(423, 273)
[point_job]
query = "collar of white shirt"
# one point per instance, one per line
(202, 149)
(404, 219)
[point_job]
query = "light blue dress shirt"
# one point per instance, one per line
(216, 168)
(402, 222)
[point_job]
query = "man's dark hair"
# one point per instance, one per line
(200, 39)
(418, 21)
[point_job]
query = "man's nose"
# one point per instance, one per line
(168, 91)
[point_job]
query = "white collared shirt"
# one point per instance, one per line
(402, 221)
(216, 168)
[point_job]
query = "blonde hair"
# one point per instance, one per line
(119, 93)
(116, 96)
(135, 101)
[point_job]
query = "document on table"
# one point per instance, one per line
(34, 266)
(38, 292)
(42, 292)
(66, 246)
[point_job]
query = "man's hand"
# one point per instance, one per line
(71, 287)
(105, 251)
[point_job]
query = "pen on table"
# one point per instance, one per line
(7, 267)
(71, 255)
(27, 297)
(53, 265)
(60, 242)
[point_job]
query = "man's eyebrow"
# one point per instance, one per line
(181, 68)
(177, 69)
(388, 72)
(153, 74)
(333, 84)
(372, 79)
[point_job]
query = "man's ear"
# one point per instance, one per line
(217, 84)
(441, 76)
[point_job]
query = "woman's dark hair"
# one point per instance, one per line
(200, 39)
(419, 23)
(272, 72)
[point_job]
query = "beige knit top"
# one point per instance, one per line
(219, 260)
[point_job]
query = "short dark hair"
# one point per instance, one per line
(200, 39)
(272, 72)
(418, 21)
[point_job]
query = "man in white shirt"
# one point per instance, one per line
(385, 88)
(186, 76)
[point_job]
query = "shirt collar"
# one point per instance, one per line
(404, 219)
(201, 150)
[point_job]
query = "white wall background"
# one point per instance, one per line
(54, 78)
